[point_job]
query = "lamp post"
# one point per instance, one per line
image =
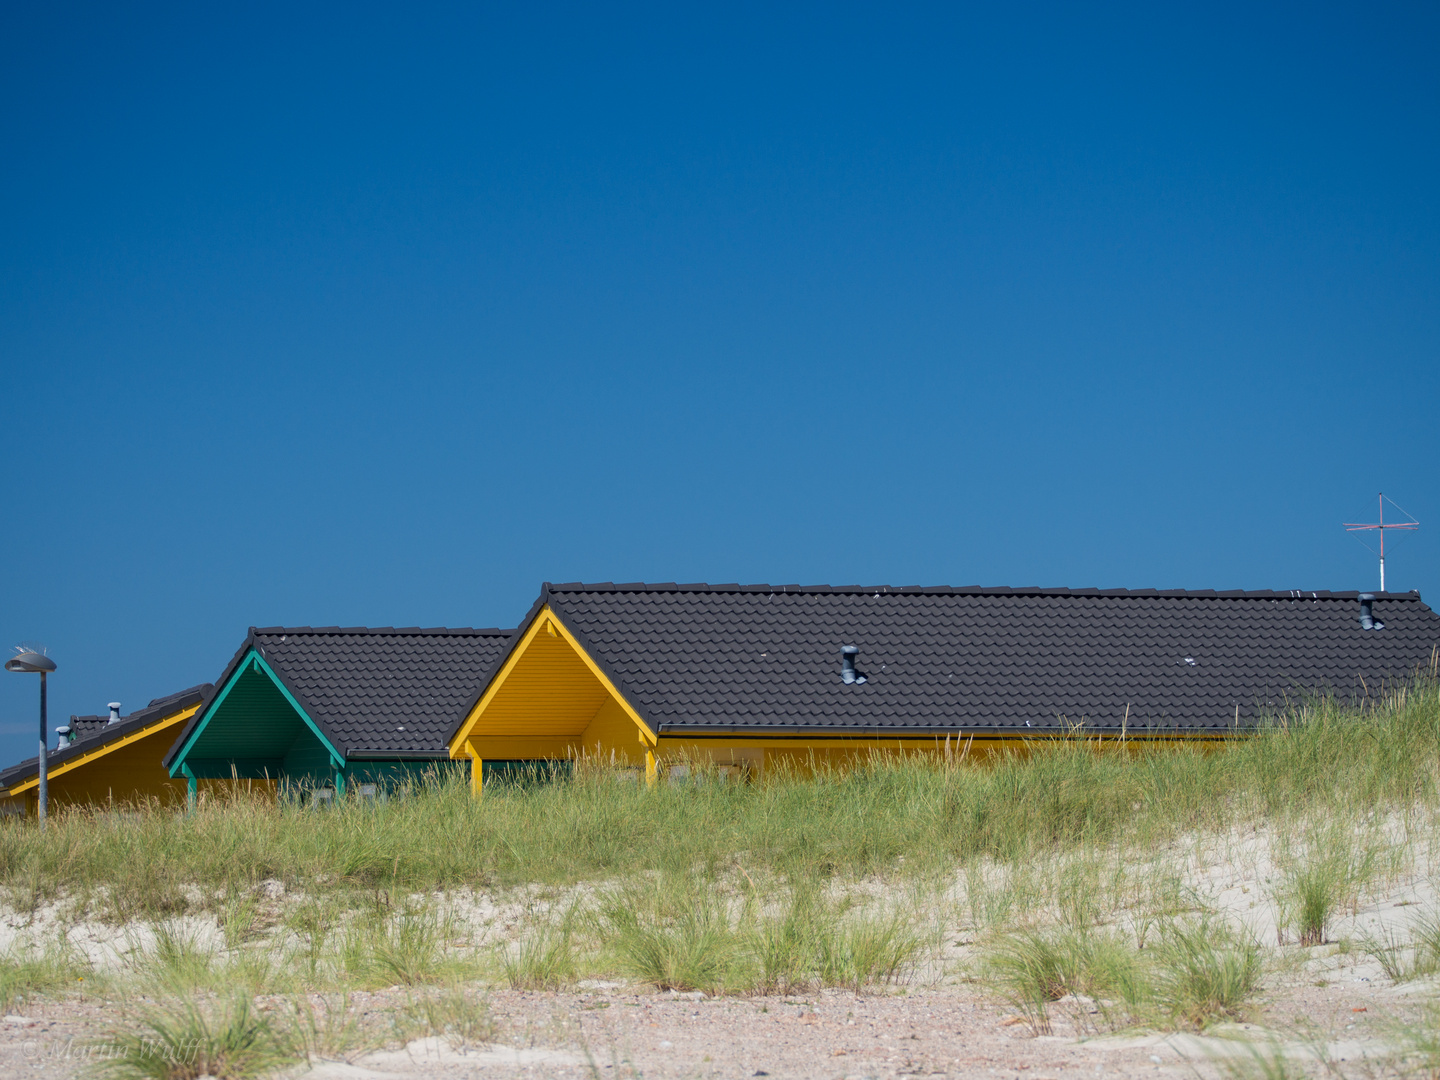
(27, 660)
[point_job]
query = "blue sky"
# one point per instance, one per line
(331, 314)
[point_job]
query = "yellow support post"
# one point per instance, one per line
(477, 770)
(652, 770)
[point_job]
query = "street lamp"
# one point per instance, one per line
(28, 660)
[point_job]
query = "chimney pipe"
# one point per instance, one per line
(848, 674)
(1367, 613)
(114, 713)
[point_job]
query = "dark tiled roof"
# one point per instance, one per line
(86, 727)
(96, 731)
(695, 657)
(385, 690)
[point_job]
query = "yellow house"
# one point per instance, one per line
(103, 759)
(658, 677)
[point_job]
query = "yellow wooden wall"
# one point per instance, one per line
(611, 733)
(759, 754)
(132, 771)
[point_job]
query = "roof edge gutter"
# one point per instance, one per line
(397, 755)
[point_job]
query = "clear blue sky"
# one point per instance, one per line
(324, 314)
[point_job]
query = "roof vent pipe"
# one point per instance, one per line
(848, 674)
(1367, 613)
(114, 713)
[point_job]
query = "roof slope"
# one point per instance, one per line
(697, 657)
(381, 689)
(96, 731)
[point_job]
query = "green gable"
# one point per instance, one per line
(254, 729)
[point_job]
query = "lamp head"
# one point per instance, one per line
(28, 660)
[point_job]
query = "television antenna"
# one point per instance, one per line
(1409, 525)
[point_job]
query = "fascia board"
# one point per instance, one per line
(871, 734)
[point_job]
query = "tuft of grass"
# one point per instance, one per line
(543, 961)
(1194, 974)
(1402, 962)
(27, 972)
(1204, 972)
(1425, 933)
(1035, 968)
(784, 947)
(1335, 865)
(179, 962)
(681, 934)
(694, 950)
(460, 1017)
(1389, 950)
(406, 950)
(325, 1028)
(861, 951)
(1315, 895)
(183, 1041)
(312, 922)
(816, 943)
(239, 918)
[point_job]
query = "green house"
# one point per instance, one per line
(322, 710)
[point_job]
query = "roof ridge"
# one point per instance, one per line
(434, 631)
(976, 590)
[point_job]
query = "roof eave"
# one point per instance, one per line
(794, 731)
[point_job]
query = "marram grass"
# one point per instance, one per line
(896, 816)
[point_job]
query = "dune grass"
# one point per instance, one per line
(1403, 957)
(897, 815)
(184, 1040)
(544, 960)
(226, 1035)
(681, 933)
(1198, 971)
